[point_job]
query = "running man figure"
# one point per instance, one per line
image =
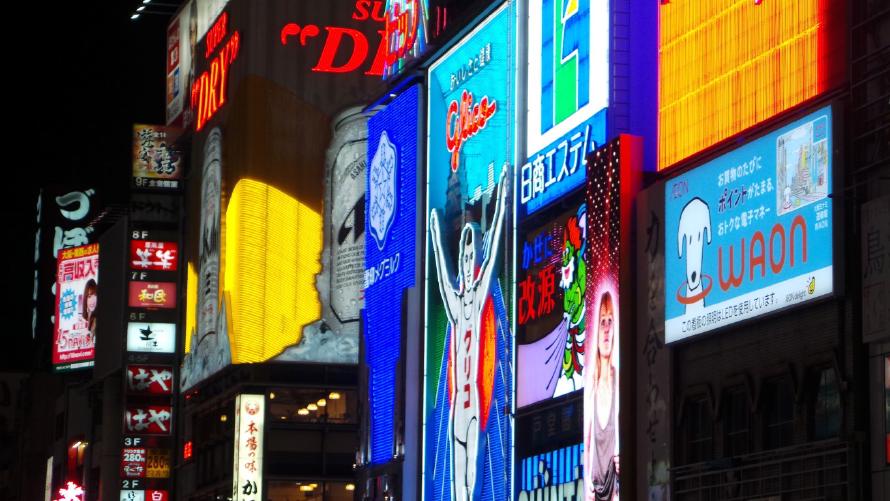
(464, 310)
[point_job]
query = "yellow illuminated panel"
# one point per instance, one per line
(191, 305)
(272, 248)
(726, 65)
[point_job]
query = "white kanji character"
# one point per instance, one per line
(166, 259)
(538, 175)
(64, 239)
(144, 260)
(81, 202)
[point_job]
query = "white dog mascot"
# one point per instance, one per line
(695, 232)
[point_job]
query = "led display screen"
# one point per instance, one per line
(391, 208)
(557, 473)
(468, 382)
(750, 232)
(551, 308)
(752, 61)
(601, 352)
(568, 92)
(76, 313)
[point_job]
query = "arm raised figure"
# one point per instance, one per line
(449, 295)
(494, 236)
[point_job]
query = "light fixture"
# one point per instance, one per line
(334, 396)
(350, 487)
(75, 445)
(303, 412)
(134, 16)
(271, 395)
(146, 1)
(322, 402)
(283, 418)
(312, 407)
(307, 488)
(140, 8)
(223, 418)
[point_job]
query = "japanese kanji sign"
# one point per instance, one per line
(150, 379)
(247, 484)
(152, 295)
(149, 255)
(148, 419)
(147, 337)
(133, 462)
(77, 285)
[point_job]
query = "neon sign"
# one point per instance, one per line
(470, 119)
(209, 89)
(333, 38)
(406, 32)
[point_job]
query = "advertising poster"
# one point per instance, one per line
(182, 35)
(76, 313)
(602, 343)
(391, 206)
(568, 91)
(468, 357)
(133, 462)
(752, 230)
(551, 308)
(156, 163)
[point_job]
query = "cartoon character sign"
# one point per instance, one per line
(551, 306)
(468, 349)
(752, 230)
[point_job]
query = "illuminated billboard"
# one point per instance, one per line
(148, 419)
(406, 27)
(250, 425)
(468, 383)
(391, 208)
(156, 256)
(150, 379)
(558, 472)
(608, 169)
(551, 308)
(751, 230)
(148, 337)
(568, 91)
(752, 61)
(77, 283)
(156, 163)
(151, 295)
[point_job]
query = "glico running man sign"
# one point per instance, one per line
(468, 384)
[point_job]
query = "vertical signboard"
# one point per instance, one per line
(605, 174)
(551, 308)
(247, 476)
(568, 91)
(406, 26)
(468, 382)
(391, 208)
(875, 243)
(751, 230)
(77, 283)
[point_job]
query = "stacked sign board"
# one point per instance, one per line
(151, 326)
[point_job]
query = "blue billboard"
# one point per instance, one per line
(391, 208)
(568, 92)
(468, 349)
(750, 232)
(556, 474)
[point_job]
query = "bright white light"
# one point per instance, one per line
(140, 8)
(134, 16)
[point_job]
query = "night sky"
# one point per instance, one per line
(77, 83)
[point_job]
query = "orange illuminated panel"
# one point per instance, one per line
(272, 247)
(726, 65)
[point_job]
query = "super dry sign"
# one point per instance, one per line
(209, 89)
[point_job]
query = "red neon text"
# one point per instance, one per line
(216, 34)
(401, 32)
(361, 10)
(333, 37)
(209, 90)
(464, 121)
(758, 252)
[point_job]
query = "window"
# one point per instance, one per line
(736, 422)
(778, 413)
(699, 430)
(310, 490)
(826, 405)
(300, 405)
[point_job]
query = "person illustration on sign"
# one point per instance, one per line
(573, 282)
(88, 312)
(463, 307)
(601, 434)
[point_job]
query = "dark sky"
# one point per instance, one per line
(76, 83)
